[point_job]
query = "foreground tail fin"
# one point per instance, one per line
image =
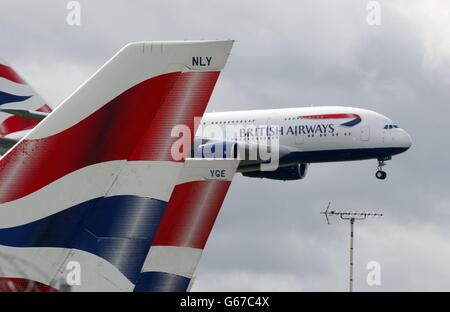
(90, 183)
(17, 96)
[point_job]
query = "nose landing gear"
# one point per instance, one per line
(380, 174)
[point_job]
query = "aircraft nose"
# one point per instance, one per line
(405, 139)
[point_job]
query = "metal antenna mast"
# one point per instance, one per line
(352, 217)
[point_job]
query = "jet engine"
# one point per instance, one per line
(292, 172)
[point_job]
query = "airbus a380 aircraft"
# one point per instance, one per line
(306, 135)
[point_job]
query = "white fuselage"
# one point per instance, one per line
(312, 134)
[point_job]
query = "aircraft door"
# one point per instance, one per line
(365, 133)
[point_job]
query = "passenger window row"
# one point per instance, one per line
(332, 134)
(230, 122)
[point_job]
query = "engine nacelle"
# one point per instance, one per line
(293, 172)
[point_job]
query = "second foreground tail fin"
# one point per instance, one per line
(185, 227)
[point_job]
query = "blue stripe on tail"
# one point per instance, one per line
(161, 281)
(119, 229)
(6, 98)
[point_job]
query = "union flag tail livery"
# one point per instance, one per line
(16, 99)
(82, 195)
(187, 222)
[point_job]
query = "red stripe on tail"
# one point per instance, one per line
(191, 213)
(8, 73)
(110, 133)
(23, 285)
(140, 119)
(189, 97)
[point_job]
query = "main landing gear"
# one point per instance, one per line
(380, 174)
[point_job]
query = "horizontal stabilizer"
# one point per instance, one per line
(7, 142)
(35, 115)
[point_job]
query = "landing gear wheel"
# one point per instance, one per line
(381, 175)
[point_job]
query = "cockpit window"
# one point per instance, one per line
(391, 127)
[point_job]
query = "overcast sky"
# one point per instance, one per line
(269, 234)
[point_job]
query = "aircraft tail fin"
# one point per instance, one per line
(185, 227)
(17, 95)
(85, 190)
